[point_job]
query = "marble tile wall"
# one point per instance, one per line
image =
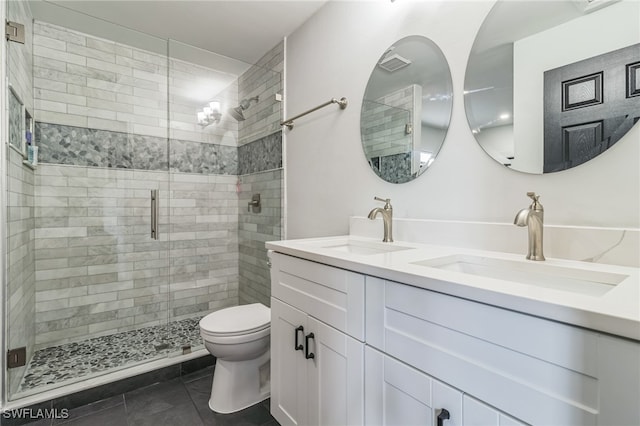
(187, 78)
(254, 229)
(20, 259)
(20, 56)
(203, 235)
(89, 82)
(101, 111)
(259, 167)
(97, 270)
(264, 79)
(85, 81)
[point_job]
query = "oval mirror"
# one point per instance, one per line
(552, 84)
(406, 109)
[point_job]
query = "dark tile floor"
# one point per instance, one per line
(178, 402)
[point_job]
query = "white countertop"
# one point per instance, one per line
(616, 311)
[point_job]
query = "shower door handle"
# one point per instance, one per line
(154, 213)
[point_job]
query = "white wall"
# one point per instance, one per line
(328, 178)
(576, 40)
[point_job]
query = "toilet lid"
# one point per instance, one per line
(237, 319)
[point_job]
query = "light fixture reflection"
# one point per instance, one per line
(210, 114)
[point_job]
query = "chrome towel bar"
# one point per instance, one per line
(289, 123)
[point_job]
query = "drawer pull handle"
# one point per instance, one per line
(307, 354)
(442, 416)
(297, 346)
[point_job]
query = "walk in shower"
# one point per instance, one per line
(136, 219)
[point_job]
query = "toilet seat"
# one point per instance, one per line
(237, 323)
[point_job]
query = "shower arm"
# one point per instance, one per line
(289, 123)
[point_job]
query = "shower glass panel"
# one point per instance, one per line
(116, 115)
(223, 116)
(203, 174)
(87, 292)
(19, 291)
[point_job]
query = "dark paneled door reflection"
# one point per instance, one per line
(589, 105)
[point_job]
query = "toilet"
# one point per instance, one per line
(239, 338)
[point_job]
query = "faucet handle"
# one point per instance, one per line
(387, 202)
(536, 204)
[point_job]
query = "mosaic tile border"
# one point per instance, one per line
(260, 155)
(70, 361)
(80, 146)
(15, 120)
(204, 158)
(394, 168)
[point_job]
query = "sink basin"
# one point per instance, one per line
(575, 280)
(360, 247)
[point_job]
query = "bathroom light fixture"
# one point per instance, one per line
(210, 114)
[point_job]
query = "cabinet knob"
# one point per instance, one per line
(442, 416)
(296, 345)
(307, 354)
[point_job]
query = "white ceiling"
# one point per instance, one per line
(239, 29)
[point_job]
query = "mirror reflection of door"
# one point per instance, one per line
(518, 43)
(588, 106)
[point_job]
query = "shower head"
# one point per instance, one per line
(238, 112)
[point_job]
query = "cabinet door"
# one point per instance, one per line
(288, 365)
(476, 413)
(332, 295)
(335, 376)
(502, 358)
(398, 394)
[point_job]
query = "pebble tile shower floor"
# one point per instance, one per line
(76, 360)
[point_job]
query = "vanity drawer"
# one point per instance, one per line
(539, 371)
(332, 295)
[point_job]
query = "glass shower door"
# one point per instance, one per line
(19, 291)
(88, 277)
(225, 149)
(203, 203)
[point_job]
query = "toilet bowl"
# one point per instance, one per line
(239, 339)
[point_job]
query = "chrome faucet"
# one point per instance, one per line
(533, 218)
(387, 218)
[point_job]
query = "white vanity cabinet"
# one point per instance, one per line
(350, 349)
(317, 348)
(398, 394)
(509, 368)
